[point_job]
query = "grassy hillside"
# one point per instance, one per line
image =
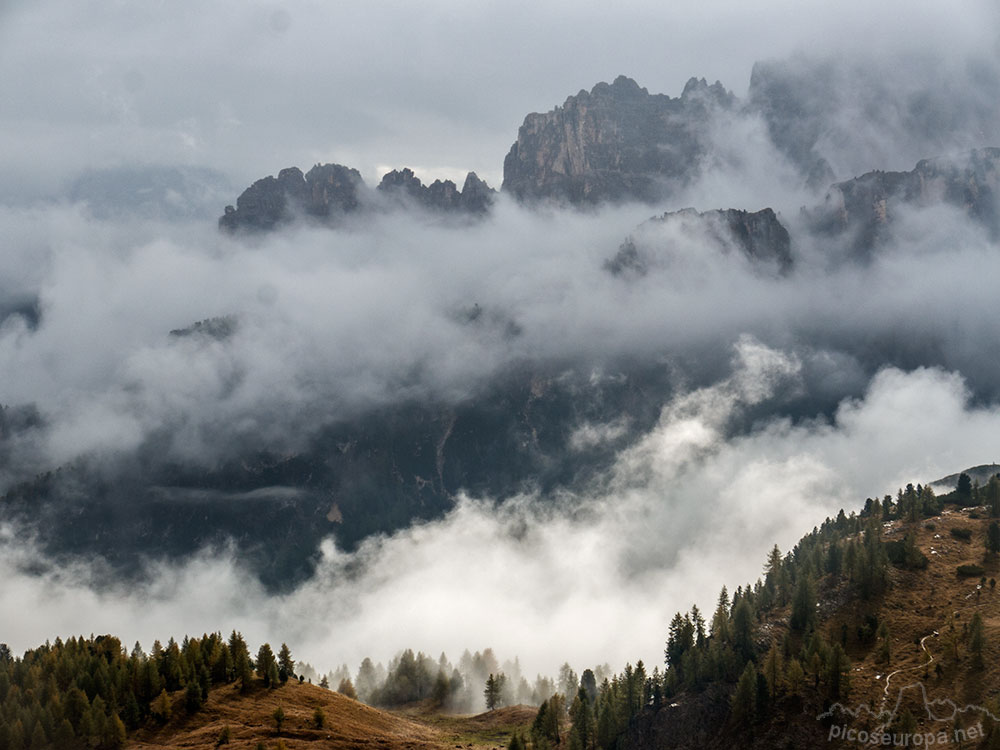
(347, 725)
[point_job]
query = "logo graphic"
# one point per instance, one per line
(948, 723)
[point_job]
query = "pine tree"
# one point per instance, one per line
(286, 665)
(38, 738)
(584, 728)
(162, 707)
(993, 538)
(803, 604)
(606, 733)
(568, 681)
(837, 668)
(279, 718)
(699, 626)
(794, 676)
(992, 496)
(774, 670)
(680, 640)
(263, 663)
(742, 627)
(720, 620)
(492, 692)
(977, 640)
(775, 575)
(964, 489)
(242, 666)
(744, 700)
(192, 697)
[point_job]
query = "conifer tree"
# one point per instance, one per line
(993, 538)
(977, 640)
(837, 669)
(492, 693)
(584, 729)
(744, 700)
(346, 688)
(264, 662)
(286, 665)
(803, 604)
(992, 496)
(794, 676)
(742, 626)
(162, 707)
(963, 489)
(720, 620)
(774, 670)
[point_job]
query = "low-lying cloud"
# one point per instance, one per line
(590, 578)
(330, 324)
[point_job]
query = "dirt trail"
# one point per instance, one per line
(923, 646)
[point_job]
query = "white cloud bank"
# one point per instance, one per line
(587, 579)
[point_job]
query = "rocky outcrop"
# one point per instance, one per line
(219, 328)
(330, 192)
(863, 209)
(327, 192)
(760, 236)
(402, 187)
(616, 143)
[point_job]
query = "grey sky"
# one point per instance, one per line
(250, 87)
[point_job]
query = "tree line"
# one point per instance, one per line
(90, 692)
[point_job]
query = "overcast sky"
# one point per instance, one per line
(250, 87)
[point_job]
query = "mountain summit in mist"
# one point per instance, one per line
(616, 142)
(535, 421)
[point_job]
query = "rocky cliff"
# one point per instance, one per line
(616, 142)
(862, 210)
(328, 193)
(404, 188)
(760, 236)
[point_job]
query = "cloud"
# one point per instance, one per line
(792, 396)
(249, 88)
(335, 323)
(588, 578)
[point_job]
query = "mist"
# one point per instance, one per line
(791, 395)
(330, 325)
(591, 579)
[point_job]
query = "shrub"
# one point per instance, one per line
(224, 736)
(963, 534)
(969, 571)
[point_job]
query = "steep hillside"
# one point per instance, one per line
(911, 659)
